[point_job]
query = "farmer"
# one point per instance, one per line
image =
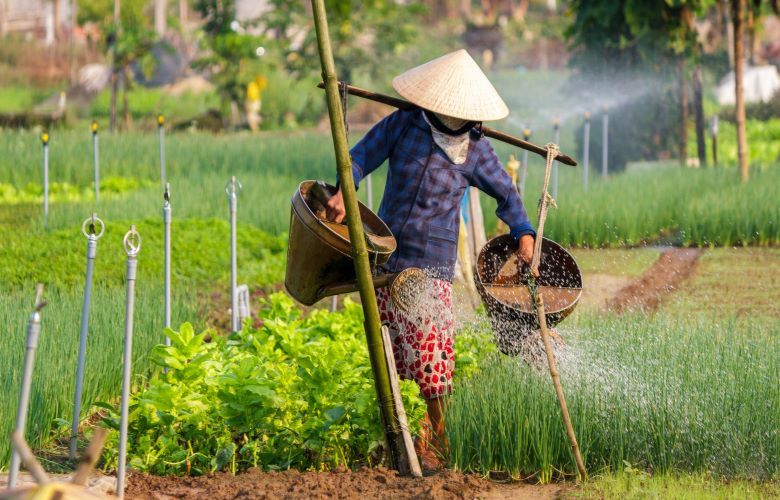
(436, 152)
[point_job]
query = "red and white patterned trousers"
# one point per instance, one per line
(423, 344)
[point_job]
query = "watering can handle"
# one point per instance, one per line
(320, 192)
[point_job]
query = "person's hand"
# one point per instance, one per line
(525, 249)
(334, 209)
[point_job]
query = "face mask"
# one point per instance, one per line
(451, 135)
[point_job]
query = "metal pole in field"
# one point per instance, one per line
(605, 143)
(232, 189)
(45, 140)
(132, 244)
(586, 150)
(161, 133)
(167, 258)
(369, 193)
(90, 231)
(556, 140)
(33, 331)
(96, 159)
(524, 163)
(714, 133)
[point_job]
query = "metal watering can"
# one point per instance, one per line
(502, 284)
(319, 252)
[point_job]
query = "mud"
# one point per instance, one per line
(649, 290)
(362, 484)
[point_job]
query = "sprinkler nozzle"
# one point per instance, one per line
(94, 127)
(160, 120)
(45, 138)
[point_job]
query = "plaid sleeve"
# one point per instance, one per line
(374, 148)
(490, 177)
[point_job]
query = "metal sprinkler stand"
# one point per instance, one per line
(402, 457)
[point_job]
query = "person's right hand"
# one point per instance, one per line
(334, 209)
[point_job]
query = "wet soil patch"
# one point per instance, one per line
(649, 290)
(361, 484)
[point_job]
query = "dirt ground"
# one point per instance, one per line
(648, 291)
(361, 484)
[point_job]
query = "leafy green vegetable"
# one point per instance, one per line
(296, 392)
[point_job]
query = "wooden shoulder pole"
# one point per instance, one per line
(359, 251)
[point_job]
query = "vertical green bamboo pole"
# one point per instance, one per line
(356, 236)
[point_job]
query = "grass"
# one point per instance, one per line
(744, 282)
(660, 393)
(636, 484)
(689, 206)
(55, 363)
(615, 262)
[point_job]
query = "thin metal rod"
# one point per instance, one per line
(586, 151)
(132, 243)
(33, 332)
(556, 140)
(369, 193)
(161, 133)
(605, 144)
(96, 160)
(45, 178)
(232, 191)
(167, 217)
(524, 164)
(92, 239)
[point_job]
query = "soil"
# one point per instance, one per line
(361, 484)
(650, 289)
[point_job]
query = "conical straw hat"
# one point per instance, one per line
(452, 85)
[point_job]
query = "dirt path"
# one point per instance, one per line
(362, 484)
(650, 289)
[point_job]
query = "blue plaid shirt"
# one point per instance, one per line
(421, 202)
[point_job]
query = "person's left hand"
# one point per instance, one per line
(525, 249)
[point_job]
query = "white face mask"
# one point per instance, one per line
(456, 147)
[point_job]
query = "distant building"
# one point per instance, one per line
(35, 19)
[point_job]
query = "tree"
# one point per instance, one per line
(229, 48)
(365, 35)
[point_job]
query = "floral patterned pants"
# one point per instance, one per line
(423, 343)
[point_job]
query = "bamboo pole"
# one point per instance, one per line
(359, 249)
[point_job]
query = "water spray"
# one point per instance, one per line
(524, 163)
(544, 202)
(714, 134)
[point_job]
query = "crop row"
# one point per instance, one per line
(688, 206)
(656, 393)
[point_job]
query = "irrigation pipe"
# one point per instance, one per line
(45, 141)
(132, 244)
(232, 189)
(33, 332)
(90, 231)
(544, 202)
(96, 159)
(161, 133)
(167, 259)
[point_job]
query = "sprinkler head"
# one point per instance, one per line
(94, 127)
(160, 120)
(45, 138)
(587, 115)
(526, 133)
